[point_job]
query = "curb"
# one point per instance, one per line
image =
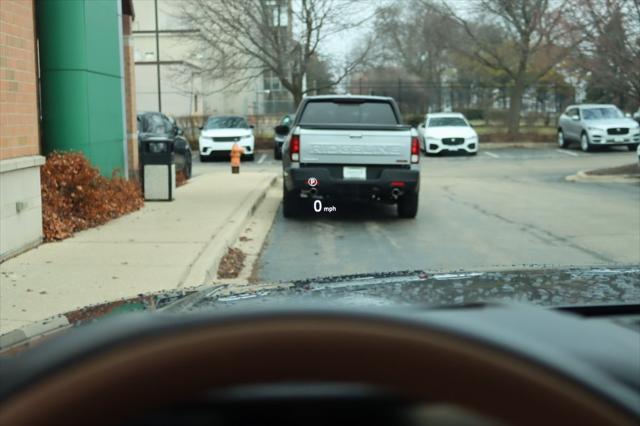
(37, 329)
(499, 145)
(582, 176)
(204, 269)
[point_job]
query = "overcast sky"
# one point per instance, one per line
(339, 45)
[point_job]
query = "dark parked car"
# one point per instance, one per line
(278, 139)
(156, 124)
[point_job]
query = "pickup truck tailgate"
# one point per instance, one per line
(380, 147)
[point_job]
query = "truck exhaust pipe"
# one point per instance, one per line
(395, 193)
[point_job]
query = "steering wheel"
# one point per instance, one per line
(154, 364)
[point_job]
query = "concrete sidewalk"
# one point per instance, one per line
(163, 246)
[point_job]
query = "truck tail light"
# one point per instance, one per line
(295, 148)
(415, 150)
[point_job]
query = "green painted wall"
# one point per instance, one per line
(81, 80)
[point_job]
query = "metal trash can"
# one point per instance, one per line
(158, 169)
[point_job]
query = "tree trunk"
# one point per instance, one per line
(515, 107)
(297, 97)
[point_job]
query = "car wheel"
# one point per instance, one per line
(249, 157)
(188, 167)
(584, 143)
(277, 153)
(204, 158)
(408, 206)
(290, 203)
(562, 142)
(632, 147)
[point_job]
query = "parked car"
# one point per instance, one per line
(636, 115)
(157, 125)
(278, 139)
(597, 125)
(350, 147)
(218, 135)
(448, 131)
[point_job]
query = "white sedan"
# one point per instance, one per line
(219, 134)
(448, 132)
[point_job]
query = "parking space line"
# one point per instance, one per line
(491, 154)
(573, 154)
(262, 157)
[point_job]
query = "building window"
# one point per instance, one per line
(271, 81)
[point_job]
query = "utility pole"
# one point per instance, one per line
(155, 3)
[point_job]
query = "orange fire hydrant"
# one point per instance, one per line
(236, 153)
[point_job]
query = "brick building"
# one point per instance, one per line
(20, 159)
(66, 83)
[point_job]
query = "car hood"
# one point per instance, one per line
(612, 122)
(550, 287)
(450, 132)
(212, 133)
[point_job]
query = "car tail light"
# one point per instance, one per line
(415, 150)
(295, 148)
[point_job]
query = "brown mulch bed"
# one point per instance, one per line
(75, 196)
(231, 263)
(629, 169)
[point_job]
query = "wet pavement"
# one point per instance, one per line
(511, 209)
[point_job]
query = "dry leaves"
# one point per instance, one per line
(231, 263)
(75, 196)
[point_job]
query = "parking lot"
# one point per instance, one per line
(508, 207)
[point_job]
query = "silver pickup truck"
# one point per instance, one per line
(350, 147)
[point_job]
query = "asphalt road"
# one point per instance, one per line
(501, 208)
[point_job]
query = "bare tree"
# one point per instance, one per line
(610, 56)
(524, 39)
(238, 40)
(415, 35)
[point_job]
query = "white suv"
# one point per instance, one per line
(597, 125)
(448, 131)
(219, 134)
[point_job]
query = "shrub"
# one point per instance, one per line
(413, 119)
(75, 196)
(497, 116)
(472, 113)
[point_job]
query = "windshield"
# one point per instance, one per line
(151, 123)
(447, 121)
(425, 148)
(226, 123)
(601, 113)
(286, 120)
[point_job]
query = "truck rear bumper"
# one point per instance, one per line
(390, 184)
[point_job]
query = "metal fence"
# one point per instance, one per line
(419, 97)
(263, 125)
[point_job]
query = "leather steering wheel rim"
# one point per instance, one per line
(414, 361)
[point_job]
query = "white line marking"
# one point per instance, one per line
(573, 154)
(262, 158)
(491, 154)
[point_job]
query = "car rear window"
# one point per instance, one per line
(331, 112)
